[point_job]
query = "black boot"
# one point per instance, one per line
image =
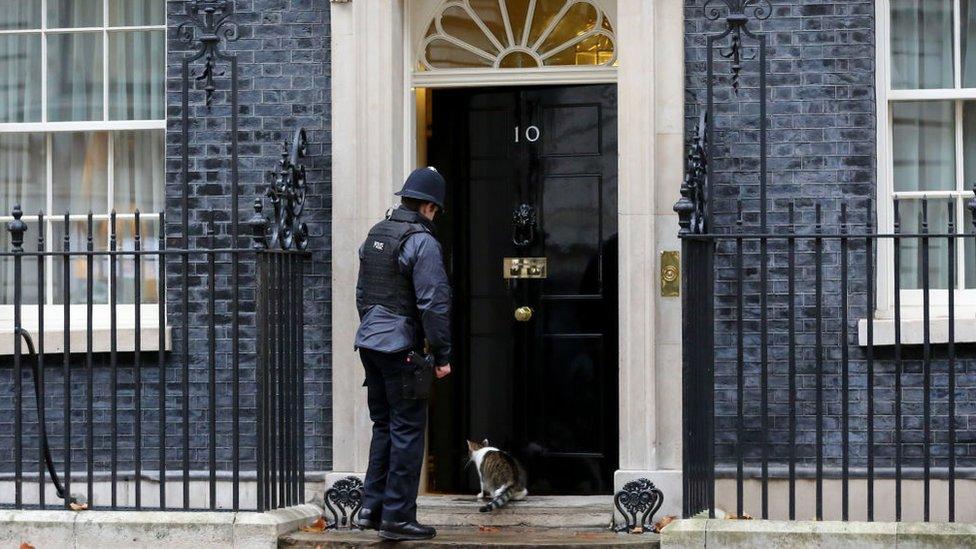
(367, 520)
(403, 531)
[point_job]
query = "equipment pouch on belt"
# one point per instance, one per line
(417, 376)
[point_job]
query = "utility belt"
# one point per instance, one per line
(418, 376)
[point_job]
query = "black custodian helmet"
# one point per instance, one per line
(425, 184)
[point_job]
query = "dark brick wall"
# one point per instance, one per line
(284, 83)
(822, 116)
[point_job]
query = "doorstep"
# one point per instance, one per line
(533, 511)
(476, 537)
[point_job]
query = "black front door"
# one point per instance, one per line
(533, 174)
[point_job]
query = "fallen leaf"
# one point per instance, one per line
(487, 529)
(666, 520)
(26, 545)
(637, 530)
(745, 516)
(78, 506)
(317, 526)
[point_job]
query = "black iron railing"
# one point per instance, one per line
(782, 354)
(214, 400)
(813, 346)
(223, 401)
(281, 380)
(810, 367)
(826, 373)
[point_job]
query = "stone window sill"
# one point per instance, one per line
(912, 331)
(78, 338)
(125, 340)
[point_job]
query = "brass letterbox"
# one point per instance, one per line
(524, 267)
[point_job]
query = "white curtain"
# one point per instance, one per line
(79, 166)
(139, 158)
(20, 78)
(923, 148)
(968, 18)
(136, 12)
(137, 61)
(74, 76)
(22, 172)
(22, 178)
(18, 14)
(74, 13)
(910, 213)
(921, 44)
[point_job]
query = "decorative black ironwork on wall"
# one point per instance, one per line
(638, 501)
(691, 208)
(737, 15)
(735, 45)
(207, 23)
(344, 494)
(738, 43)
(287, 192)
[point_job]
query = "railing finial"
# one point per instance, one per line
(259, 226)
(17, 228)
(691, 207)
(287, 191)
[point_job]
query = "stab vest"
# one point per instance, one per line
(380, 280)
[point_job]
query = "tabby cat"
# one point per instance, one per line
(502, 477)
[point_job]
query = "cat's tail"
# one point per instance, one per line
(503, 497)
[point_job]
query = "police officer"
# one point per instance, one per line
(403, 296)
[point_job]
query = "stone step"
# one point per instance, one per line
(534, 511)
(475, 537)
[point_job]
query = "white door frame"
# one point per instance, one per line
(373, 119)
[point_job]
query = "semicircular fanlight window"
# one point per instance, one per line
(466, 34)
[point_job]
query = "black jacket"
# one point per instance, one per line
(420, 261)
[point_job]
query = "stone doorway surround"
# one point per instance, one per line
(374, 147)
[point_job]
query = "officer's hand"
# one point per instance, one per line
(442, 371)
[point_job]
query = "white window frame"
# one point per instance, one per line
(911, 300)
(53, 313)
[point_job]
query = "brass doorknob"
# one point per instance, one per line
(523, 313)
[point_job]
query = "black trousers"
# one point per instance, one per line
(396, 452)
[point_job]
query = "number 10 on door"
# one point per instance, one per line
(531, 134)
